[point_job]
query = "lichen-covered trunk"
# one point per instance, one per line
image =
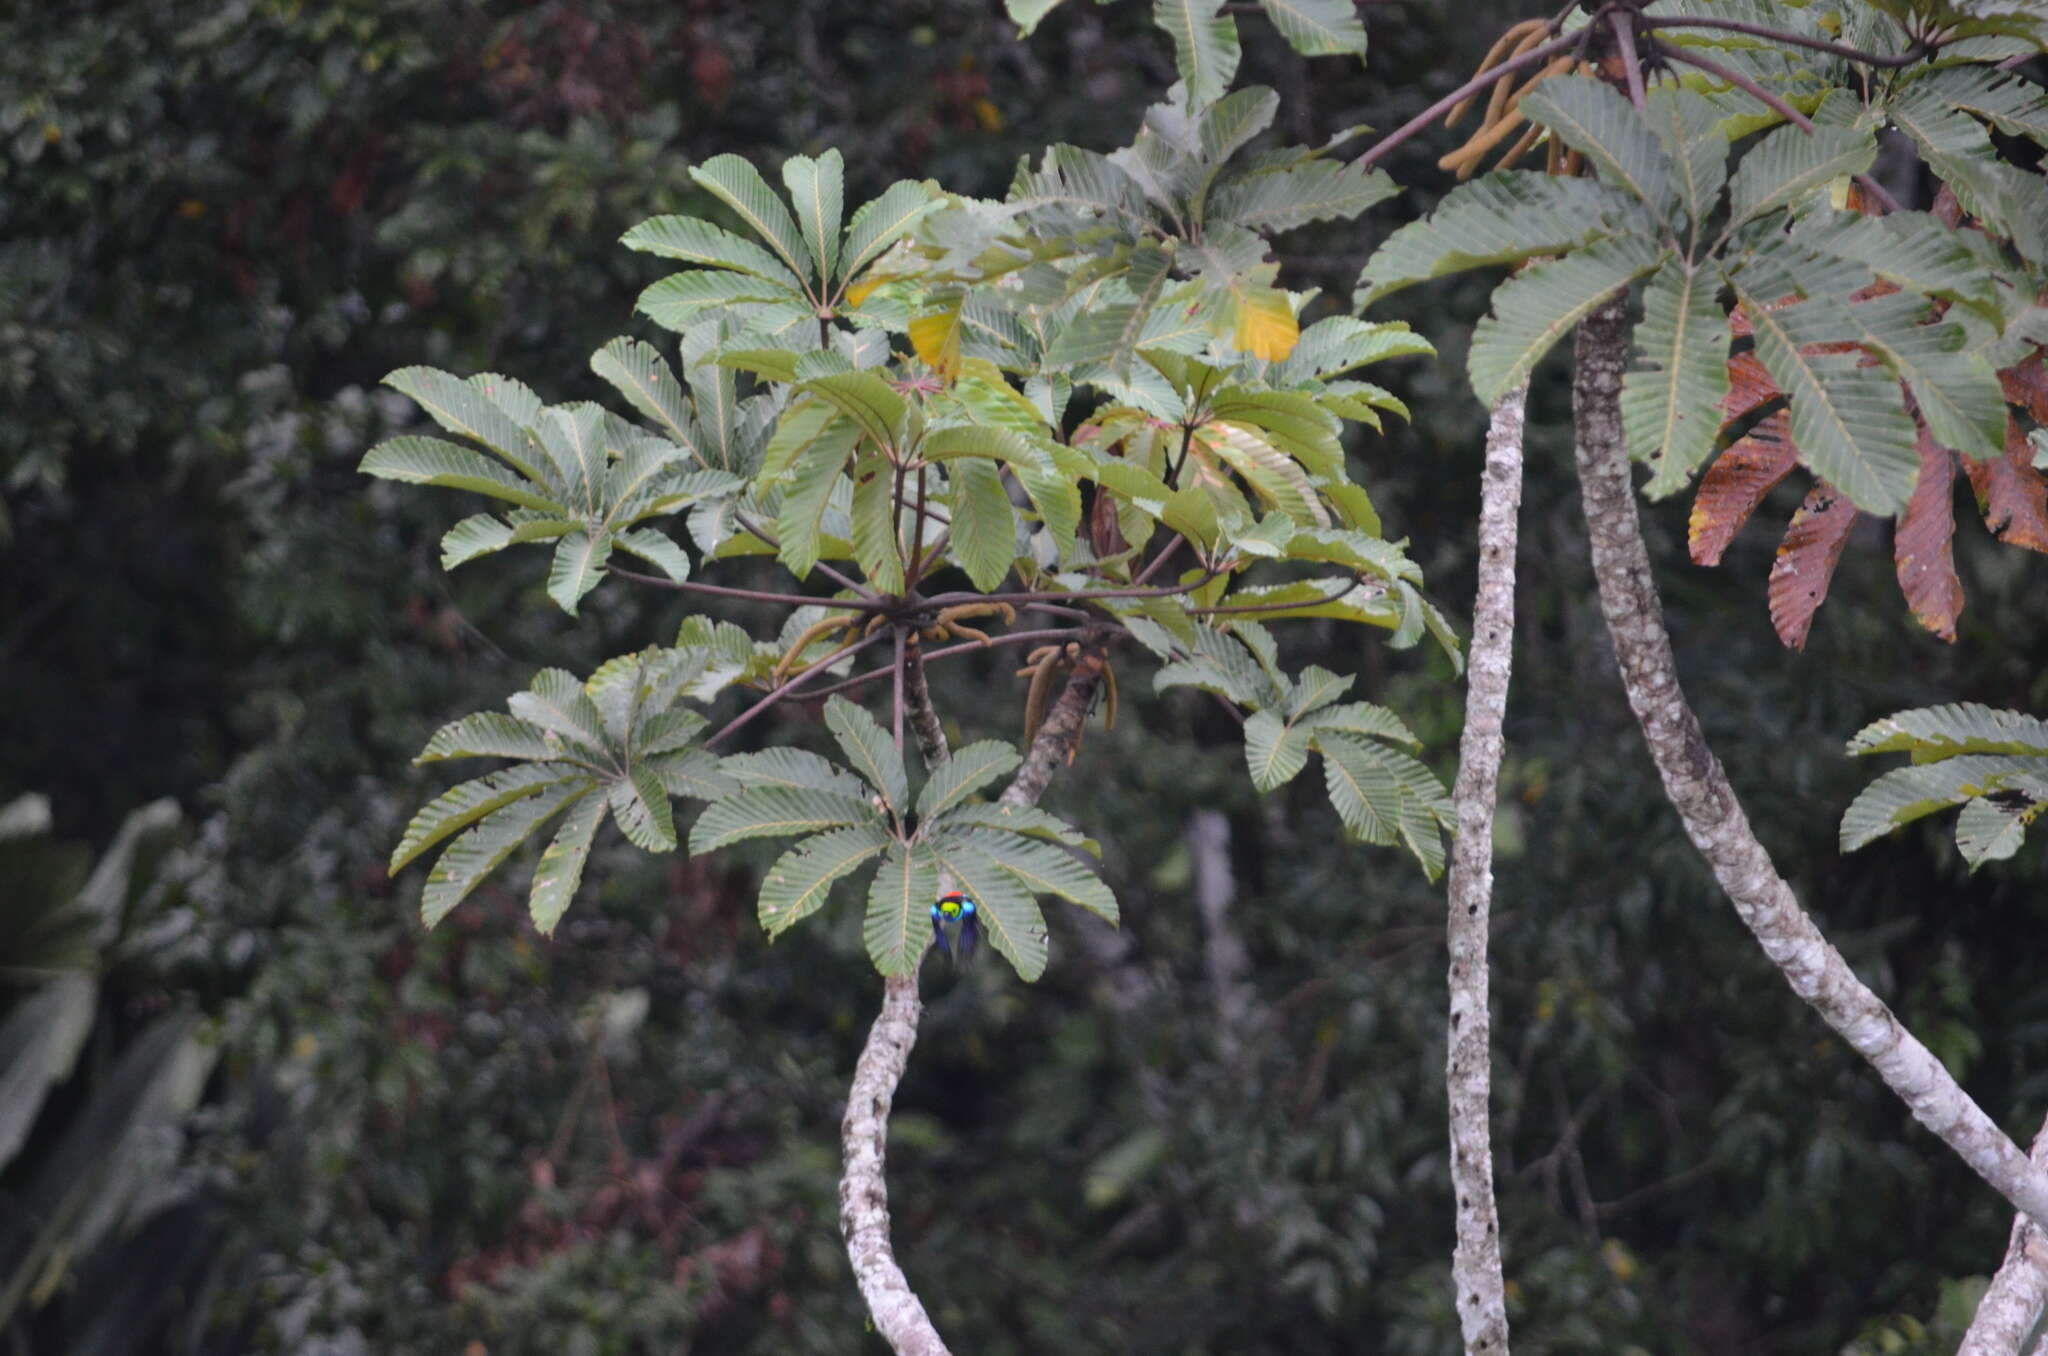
(1697, 787)
(899, 1316)
(1468, 1069)
(2012, 1304)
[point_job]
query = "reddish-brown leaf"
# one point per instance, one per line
(1923, 547)
(1946, 209)
(1748, 386)
(1806, 561)
(2026, 384)
(2011, 494)
(1736, 483)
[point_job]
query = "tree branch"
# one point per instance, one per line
(924, 717)
(1698, 789)
(2012, 1304)
(779, 693)
(749, 595)
(1912, 54)
(1468, 1073)
(1735, 78)
(898, 1314)
(964, 647)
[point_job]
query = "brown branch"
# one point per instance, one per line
(1468, 1071)
(844, 581)
(1697, 788)
(924, 717)
(783, 691)
(1623, 23)
(1735, 78)
(749, 595)
(1919, 49)
(965, 647)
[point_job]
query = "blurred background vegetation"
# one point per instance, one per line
(247, 1105)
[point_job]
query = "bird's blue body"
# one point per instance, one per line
(955, 928)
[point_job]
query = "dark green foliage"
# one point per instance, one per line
(622, 1140)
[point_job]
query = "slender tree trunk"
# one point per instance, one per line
(1468, 1072)
(1698, 789)
(898, 1314)
(2012, 1305)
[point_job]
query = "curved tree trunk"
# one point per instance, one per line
(898, 1314)
(1698, 788)
(1468, 1072)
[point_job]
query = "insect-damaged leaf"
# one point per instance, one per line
(2011, 494)
(1923, 547)
(1806, 561)
(1736, 483)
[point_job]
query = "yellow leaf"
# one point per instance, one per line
(859, 292)
(936, 339)
(1264, 323)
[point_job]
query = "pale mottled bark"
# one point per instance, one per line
(898, 1314)
(1468, 1065)
(2012, 1305)
(1223, 954)
(1698, 789)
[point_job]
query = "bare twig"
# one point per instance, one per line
(1468, 1076)
(1736, 78)
(798, 681)
(964, 647)
(749, 595)
(1623, 23)
(1862, 58)
(1698, 789)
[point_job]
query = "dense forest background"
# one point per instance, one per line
(299, 1123)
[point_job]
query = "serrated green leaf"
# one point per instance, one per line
(1957, 393)
(1671, 410)
(1363, 790)
(880, 223)
(1045, 870)
(1024, 819)
(465, 408)
(1363, 718)
(657, 550)
(487, 734)
(1204, 46)
(1791, 163)
(869, 751)
(866, 399)
(776, 812)
(460, 806)
(1315, 190)
(414, 460)
(1318, 27)
(1503, 218)
(1541, 304)
(1273, 751)
(578, 567)
(484, 848)
(700, 242)
(644, 378)
(803, 502)
(1689, 127)
(797, 769)
(1846, 419)
(1003, 904)
(736, 183)
(693, 773)
(556, 701)
(1315, 688)
(1931, 732)
(899, 904)
(984, 539)
(477, 535)
(1991, 831)
(802, 878)
(640, 804)
(560, 869)
(1596, 120)
(1909, 793)
(873, 524)
(961, 775)
(817, 189)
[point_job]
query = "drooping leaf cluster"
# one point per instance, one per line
(1992, 763)
(1785, 322)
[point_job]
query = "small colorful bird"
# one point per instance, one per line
(954, 928)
